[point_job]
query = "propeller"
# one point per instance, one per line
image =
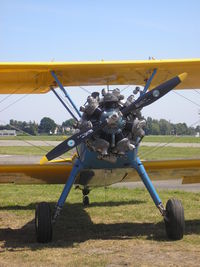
(141, 102)
(155, 94)
(71, 142)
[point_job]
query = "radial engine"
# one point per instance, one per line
(122, 133)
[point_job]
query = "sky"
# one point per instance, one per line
(93, 30)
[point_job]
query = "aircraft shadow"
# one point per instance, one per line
(75, 226)
(31, 206)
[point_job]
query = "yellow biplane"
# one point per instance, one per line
(109, 129)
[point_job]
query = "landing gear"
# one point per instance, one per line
(174, 220)
(43, 217)
(86, 200)
(43, 223)
(174, 212)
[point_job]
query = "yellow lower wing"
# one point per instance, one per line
(35, 173)
(55, 173)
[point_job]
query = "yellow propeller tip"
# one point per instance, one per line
(43, 160)
(182, 76)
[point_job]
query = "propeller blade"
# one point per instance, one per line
(70, 143)
(141, 102)
(155, 94)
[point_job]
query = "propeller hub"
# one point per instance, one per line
(115, 121)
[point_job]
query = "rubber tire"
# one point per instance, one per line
(175, 223)
(43, 223)
(86, 201)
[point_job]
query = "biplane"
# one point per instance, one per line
(109, 129)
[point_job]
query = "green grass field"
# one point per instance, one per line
(144, 152)
(38, 137)
(121, 227)
(151, 138)
(25, 150)
(171, 139)
(153, 153)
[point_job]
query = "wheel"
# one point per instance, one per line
(43, 224)
(174, 222)
(86, 201)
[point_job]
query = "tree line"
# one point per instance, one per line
(46, 126)
(164, 127)
(49, 126)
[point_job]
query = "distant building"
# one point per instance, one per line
(68, 130)
(197, 134)
(8, 133)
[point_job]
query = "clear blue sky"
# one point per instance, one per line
(94, 30)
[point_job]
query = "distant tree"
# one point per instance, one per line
(191, 131)
(68, 123)
(47, 125)
(25, 127)
(148, 127)
(31, 128)
(165, 127)
(181, 128)
(155, 128)
(197, 129)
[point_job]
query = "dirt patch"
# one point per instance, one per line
(121, 244)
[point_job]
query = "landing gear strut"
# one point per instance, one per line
(173, 214)
(43, 217)
(86, 200)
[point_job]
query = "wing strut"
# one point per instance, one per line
(65, 93)
(57, 95)
(148, 82)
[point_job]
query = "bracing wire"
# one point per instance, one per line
(27, 142)
(193, 102)
(126, 87)
(157, 147)
(19, 99)
(161, 145)
(68, 103)
(6, 97)
(18, 88)
(197, 91)
(86, 90)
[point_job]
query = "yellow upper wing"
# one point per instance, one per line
(34, 78)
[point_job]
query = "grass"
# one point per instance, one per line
(153, 153)
(151, 138)
(144, 152)
(171, 139)
(121, 227)
(25, 150)
(36, 138)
